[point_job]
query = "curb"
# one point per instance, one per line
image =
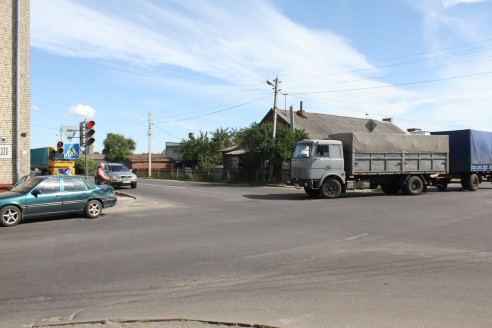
(122, 194)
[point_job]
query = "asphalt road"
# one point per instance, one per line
(256, 255)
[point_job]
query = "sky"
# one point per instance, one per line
(174, 67)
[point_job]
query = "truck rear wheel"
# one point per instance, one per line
(331, 188)
(473, 182)
(413, 186)
(390, 188)
(312, 192)
(443, 186)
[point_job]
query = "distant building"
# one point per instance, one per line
(15, 109)
(320, 126)
(141, 162)
(418, 131)
(98, 158)
(173, 150)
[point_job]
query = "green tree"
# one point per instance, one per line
(260, 145)
(203, 151)
(117, 148)
(80, 166)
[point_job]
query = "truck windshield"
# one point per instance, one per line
(303, 150)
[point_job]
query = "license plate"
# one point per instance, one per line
(127, 181)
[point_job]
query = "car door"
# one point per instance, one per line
(44, 198)
(75, 194)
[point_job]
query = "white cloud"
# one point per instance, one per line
(81, 110)
(34, 107)
(450, 3)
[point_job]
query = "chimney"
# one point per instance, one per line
(301, 112)
(388, 119)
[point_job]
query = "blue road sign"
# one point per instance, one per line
(71, 151)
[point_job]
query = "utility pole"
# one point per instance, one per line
(150, 143)
(276, 81)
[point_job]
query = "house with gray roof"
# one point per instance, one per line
(320, 126)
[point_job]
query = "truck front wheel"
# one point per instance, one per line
(331, 188)
(414, 186)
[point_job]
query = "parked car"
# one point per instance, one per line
(119, 174)
(53, 194)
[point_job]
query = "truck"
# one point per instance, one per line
(470, 158)
(393, 161)
(47, 161)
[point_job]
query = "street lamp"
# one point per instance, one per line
(285, 94)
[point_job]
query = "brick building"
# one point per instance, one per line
(15, 115)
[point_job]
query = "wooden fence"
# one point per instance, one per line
(239, 175)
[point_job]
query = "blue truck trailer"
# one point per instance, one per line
(470, 158)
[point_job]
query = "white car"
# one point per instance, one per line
(120, 175)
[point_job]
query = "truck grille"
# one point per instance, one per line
(299, 173)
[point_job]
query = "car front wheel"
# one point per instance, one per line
(93, 209)
(133, 185)
(10, 216)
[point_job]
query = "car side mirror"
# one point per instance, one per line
(36, 192)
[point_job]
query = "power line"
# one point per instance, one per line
(218, 111)
(392, 85)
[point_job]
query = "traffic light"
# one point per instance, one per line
(89, 133)
(59, 147)
(82, 133)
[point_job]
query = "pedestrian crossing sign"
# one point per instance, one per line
(71, 151)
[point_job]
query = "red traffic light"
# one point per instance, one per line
(60, 149)
(90, 124)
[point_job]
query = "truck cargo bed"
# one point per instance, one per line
(387, 154)
(470, 150)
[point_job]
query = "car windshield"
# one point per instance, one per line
(118, 168)
(27, 184)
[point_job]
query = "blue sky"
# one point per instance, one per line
(200, 65)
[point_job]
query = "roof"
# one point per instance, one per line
(136, 158)
(234, 150)
(97, 157)
(320, 126)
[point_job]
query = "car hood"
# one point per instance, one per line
(9, 194)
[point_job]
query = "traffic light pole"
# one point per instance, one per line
(86, 163)
(87, 139)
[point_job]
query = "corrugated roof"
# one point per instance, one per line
(233, 150)
(319, 126)
(135, 158)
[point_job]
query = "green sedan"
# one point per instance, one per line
(53, 194)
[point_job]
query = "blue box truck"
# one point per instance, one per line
(470, 158)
